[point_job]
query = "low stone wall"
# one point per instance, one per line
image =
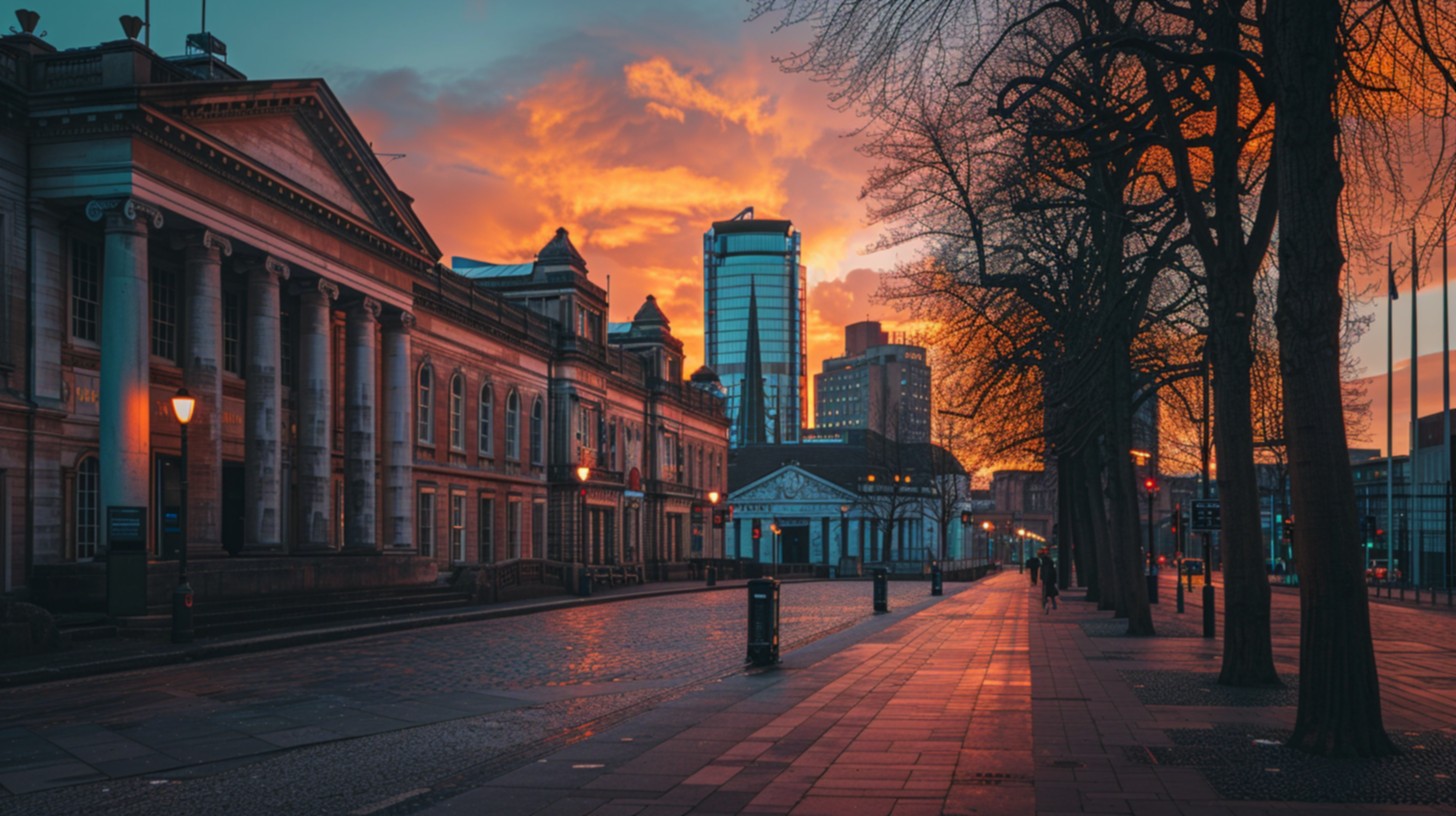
(82, 587)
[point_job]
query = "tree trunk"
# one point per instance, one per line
(1127, 554)
(1339, 690)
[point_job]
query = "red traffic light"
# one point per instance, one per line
(1150, 484)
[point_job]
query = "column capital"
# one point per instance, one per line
(266, 265)
(122, 210)
(317, 285)
(204, 239)
(366, 308)
(401, 321)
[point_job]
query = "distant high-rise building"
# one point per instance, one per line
(753, 292)
(877, 385)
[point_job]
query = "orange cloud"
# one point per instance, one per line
(636, 154)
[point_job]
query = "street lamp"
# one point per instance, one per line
(713, 497)
(1021, 549)
(776, 530)
(183, 405)
(844, 531)
(583, 473)
(986, 528)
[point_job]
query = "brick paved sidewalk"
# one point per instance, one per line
(982, 704)
(928, 715)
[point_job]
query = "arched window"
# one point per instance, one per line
(425, 406)
(457, 413)
(538, 432)
(487, 420)
(513, 426)
(88, 507)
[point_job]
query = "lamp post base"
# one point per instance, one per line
(182, 613)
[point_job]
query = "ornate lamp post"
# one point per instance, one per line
(583, 473)
(183, 405)
(776, 530)
(1021, 548)
(713, 497)
(986, 528)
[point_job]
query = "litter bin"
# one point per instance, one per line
(712, 573)
(583, 583)
(882, 590)
(936, 588)
(763, 621)
(126, 578)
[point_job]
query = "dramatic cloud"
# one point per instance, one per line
(635, 153)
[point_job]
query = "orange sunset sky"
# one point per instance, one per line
(634, 124)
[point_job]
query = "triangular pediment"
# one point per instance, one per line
(297, 133)
(790, 483)
(282, 144)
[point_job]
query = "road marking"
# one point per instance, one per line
(387, 803)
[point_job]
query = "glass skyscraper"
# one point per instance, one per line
(755, 262)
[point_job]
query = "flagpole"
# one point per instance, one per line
(1391, 293)
(1446, 401)
(1413, 569)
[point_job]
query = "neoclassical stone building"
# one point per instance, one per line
(168, 223)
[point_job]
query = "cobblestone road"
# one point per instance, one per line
(341, 728)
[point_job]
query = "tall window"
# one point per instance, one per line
(487, 421)
(538, 432)
(425, 406)
(457, 526)
(487, 529)
(425, 521)
(164, 313)
(85, 290)
(513, 426)
(513, 527)
(88, 507)
(457, 413)
(232, 332)
(538, 528)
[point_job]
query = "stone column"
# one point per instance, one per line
(263, 455)
(399, 485)
(359, 434)
(315, 413)
(126, 399)
(202, 376)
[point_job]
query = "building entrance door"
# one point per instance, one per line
(796, 545)
(232, 508)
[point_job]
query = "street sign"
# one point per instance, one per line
(1205, 516)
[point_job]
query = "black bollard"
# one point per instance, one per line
(882, 590)
(1208, 610)
(935, 584)
(763, 621)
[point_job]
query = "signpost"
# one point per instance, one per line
(1206, 518)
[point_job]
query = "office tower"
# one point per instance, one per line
(877, 385)
(753, 292)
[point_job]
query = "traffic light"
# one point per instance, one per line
(1150, 484)
(1368, 531)
(1289, 528)
(965, 517)
(757, 529)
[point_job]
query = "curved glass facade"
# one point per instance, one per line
(746, 258)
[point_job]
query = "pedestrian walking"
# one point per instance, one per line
(1031, 566)
(1049, 590)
